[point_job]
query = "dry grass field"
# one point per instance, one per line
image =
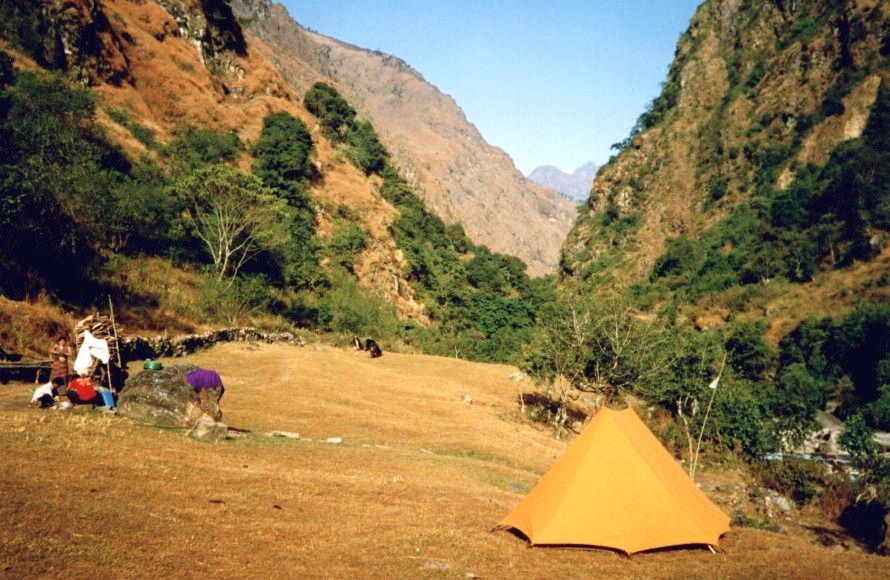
(412, 491)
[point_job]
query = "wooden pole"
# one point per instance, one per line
(117, 346)
(117, 343)
(701, 433)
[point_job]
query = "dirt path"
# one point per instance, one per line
(412, 491)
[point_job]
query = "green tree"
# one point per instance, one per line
(336, 115)
(51, 170)
(750, 356)
(283, 161)
(346, 244)
(283, 157)
(858, 439)
(364, 148)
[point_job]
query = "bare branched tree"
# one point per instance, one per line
(234, 215)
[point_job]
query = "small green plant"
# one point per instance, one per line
(144, 135)
(184, 65)
(803, 481)
(119, 116)
(740, 519)
(141, 133)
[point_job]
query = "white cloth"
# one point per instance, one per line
(91, 348)
(46, 389)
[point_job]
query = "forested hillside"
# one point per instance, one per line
(743, 222)
(159, 158)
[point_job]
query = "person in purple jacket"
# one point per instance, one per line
(209, 386)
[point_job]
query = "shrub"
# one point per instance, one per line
(801, 480)
(346, 307)
(750, 356)
(192, 148)
(283, 157)
(347, 244)
(335, 114)
(739, 421)
(858, 439)
(364, 149)
(237, 301)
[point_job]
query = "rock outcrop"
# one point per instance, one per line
(71, 36)
(575, 185)
(207, 428)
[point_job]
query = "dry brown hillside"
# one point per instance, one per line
(460, 176)
(170, 69)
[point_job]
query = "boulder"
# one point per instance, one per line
(161, 398)
(518, 376)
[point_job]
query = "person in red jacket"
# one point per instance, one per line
(81, 392)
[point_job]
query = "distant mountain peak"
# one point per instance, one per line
(575, 185)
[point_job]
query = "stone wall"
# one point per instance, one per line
(140, 347)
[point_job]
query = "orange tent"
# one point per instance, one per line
(617, 487)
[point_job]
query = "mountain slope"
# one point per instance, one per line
(576, 184)
(458, 174)
(136, 171)
(757, 99)
(157, 67)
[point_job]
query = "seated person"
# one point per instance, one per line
(45, 395)
(81, 392)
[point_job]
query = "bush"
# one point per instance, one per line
(740, 423)
(235, 301)
(347, 308)
(335, 114)
(192, 148)
(750, 356)
(802, 481)
(364, 149)
(858, 439)
(347, 244)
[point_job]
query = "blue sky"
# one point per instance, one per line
(551, 82)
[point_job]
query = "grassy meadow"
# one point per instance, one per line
(413, 490)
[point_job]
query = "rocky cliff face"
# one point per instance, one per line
(757, 91)
(71, 36)
(461, 177)
(575, 185)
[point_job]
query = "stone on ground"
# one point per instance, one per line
(285, 434)
(161, 398)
